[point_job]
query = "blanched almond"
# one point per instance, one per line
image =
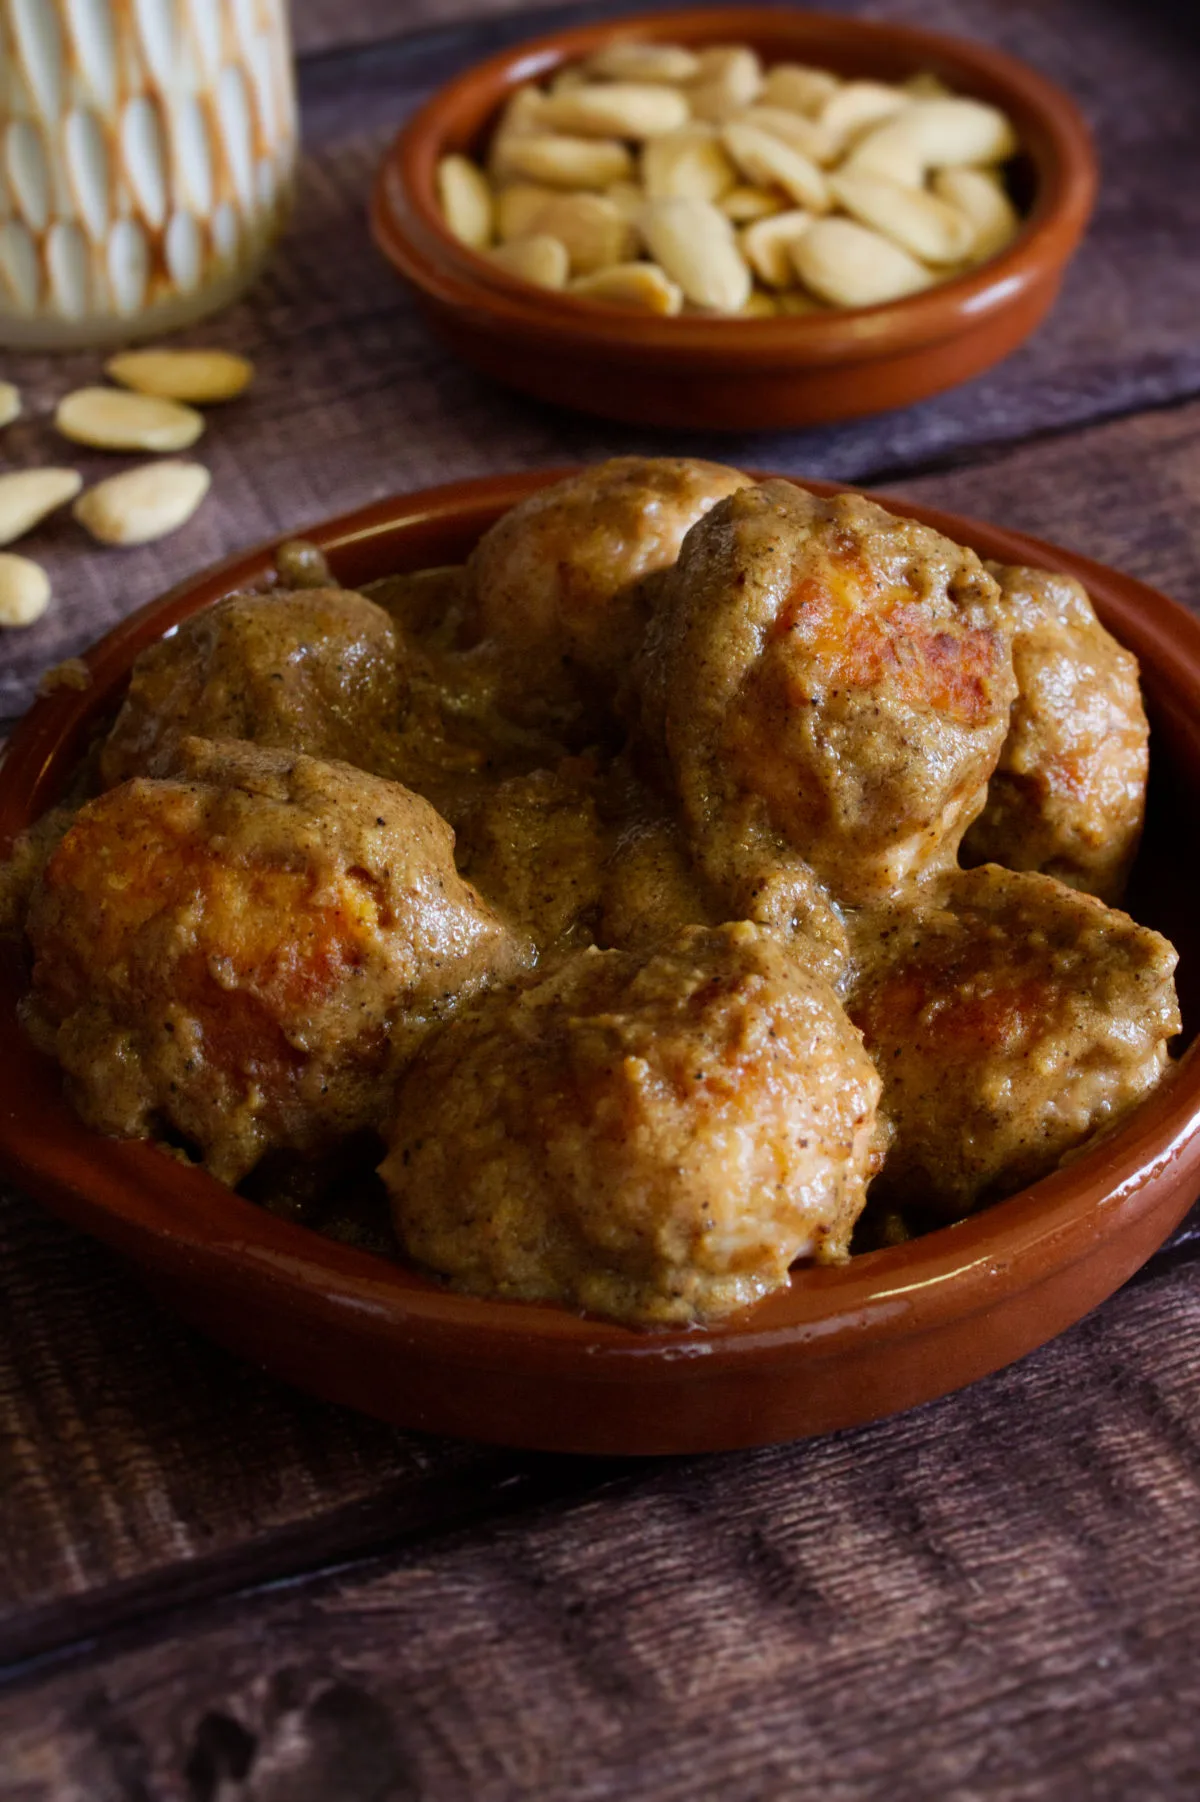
(799, 88)
(519, 205)
(695, 245)
(920, 222)
(568, 162)
(627, 197)
(522, 114)
(979, 195)
(539, 259)
(466, 201)
(593, 230)
(111, 419)
(744, 204)
(849, 265)
(617, 109)
(28, 495)
(199, 376)
(644, 62)
(689, 164)
(141, 505)
(521, 118)
(766, 246)
(934, 134)
(643, 287)
(769, 162)
(24, 590)
(859, 105)
(729, 77)
(10, 403)
(804, 135)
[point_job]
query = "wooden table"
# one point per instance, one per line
(215, 1590)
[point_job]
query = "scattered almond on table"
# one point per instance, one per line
(152, 410)
(113, 419)
(704, 171)
(200, 377)
(24, 590)
(28, 496)
(144, 504)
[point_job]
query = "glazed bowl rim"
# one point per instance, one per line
(408, 226)
(178, 1218)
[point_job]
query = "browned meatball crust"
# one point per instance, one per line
(557, 579)
(828, 682)
(653, 1138)
(249, 952)
(317, 671)
(1069, 791)
(1010, 1020)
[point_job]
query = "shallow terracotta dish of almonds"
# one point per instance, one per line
(647, 960)
(589, 216)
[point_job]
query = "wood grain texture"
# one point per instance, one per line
(321, 26)
(354, 401)
(1126, 493)
(140, 1464)
(989, 1598)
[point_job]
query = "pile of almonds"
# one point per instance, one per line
(664, 180)
(153, 410)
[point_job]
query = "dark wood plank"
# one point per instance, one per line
(353, 400)
(138, 1462)
(1125, 493)
(320, 26)
(994, 1597)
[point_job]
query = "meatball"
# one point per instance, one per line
(317, 671)
(557, 576)
(829, 683)
(1010, 1021)
(653, 1138)
(247, 953)
(1069, 792)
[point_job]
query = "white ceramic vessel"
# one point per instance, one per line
(147, 149)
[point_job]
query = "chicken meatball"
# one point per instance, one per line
(317, 671)
(829, 683)
(248, 952)
(1010, 1021)
(1069, 792)
(558, 575)
(653, 1138)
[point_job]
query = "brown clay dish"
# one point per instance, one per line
(839, 1346)
(744, 374)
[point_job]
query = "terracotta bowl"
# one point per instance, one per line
(740, 374)
(839, 1346)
